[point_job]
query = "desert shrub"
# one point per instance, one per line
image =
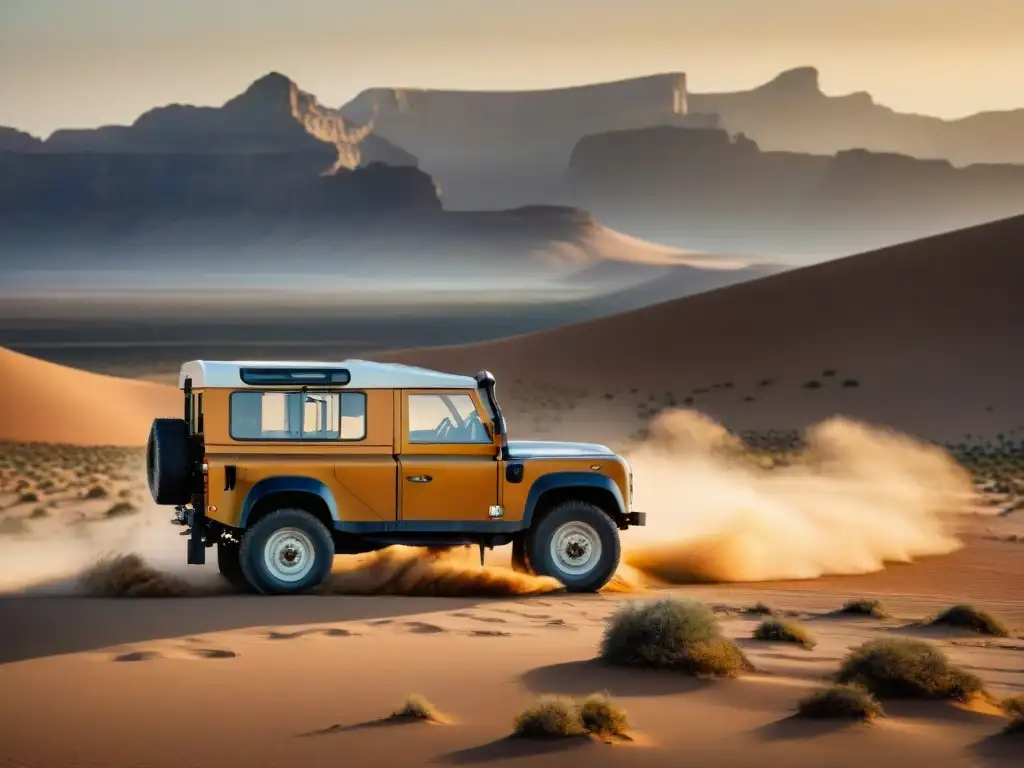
(28, 497)
(672, 633)
(847, 702)
(39, 512)
(1014, 706)
(863, 607)
(602, 716)
(97, 492)
(776, 630)
(121, 509)
(850, 383)
(416, 707)
(550, 717)
(812, 384)
(759, 609)
(828, 373)
(970, 618)
(902, 668)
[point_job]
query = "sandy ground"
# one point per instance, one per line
(206, 677)
(248, 681)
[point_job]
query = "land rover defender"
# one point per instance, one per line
(283, 465)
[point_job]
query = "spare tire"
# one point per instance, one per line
(168, 462)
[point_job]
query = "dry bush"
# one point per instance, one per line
(130, 576)
(970, 618)
(561, 717)
(550, 717)
(782, 631)
(121, 509)
(417, 707)
(672, 633)
(601, 716)
(902, 668)
(1014, 706)
(28, 497)
(847, 702)
(759, 609)
(97, 492)
(864, 607)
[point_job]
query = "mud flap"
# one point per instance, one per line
(196, 540)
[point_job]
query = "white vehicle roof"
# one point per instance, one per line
(226, 374)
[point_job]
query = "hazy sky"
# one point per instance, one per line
(89, 62)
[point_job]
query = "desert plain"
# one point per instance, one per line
(894, 482)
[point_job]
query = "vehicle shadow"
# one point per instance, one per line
(34, 626)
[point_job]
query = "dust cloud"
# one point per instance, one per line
(854, 499)
(440, 573)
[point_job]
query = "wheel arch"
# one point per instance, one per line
(295, 492)
(550, 490)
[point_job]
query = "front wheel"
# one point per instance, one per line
(287, 551)
(576, 543)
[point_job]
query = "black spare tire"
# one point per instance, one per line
(168, 461)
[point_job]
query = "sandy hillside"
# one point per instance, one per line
(923, 336)
(43, 402)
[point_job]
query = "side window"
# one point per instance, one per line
(443, 418)
(298, 416)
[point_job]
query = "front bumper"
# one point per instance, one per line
(637, 518)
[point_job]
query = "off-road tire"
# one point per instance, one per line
(591, 521)
(168, 463)
(230, 566)
(253, 553)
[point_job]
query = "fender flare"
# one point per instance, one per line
(557, 480)
(287, 484)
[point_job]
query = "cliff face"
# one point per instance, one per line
(707, 189)
(467, 139)
(152, 185)
(792, 113)
(273, 115)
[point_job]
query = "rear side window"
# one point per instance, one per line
(298, 415)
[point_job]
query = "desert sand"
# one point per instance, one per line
(923, 337)
(153, 662)
(43, 402)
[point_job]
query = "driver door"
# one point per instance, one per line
(448, 469)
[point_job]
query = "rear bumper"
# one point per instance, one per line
(637, 518)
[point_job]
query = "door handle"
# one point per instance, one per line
(419, 478)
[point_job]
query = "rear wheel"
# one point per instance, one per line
(287, 551)
(576, 543)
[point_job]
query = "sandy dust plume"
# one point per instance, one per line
(855, 498)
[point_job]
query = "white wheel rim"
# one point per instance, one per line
(575, 548)
(289, 554)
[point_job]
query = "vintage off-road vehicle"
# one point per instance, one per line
(283, 465)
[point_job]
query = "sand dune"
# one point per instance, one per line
(929, 330)
(43, 402)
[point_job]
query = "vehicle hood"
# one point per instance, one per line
(548, 449)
